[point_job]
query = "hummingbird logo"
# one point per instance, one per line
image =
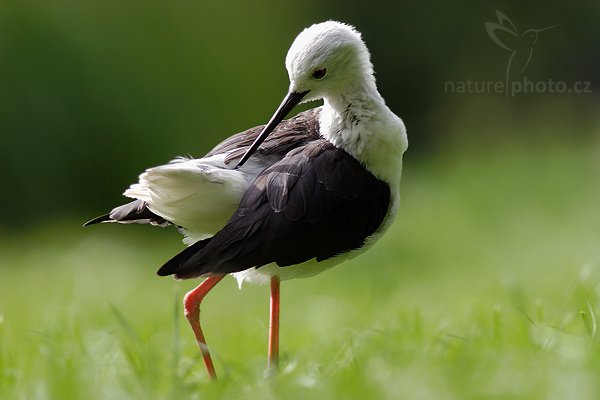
(520, 45)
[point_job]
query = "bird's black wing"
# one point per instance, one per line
(317, 202)
(289, 134)
(133, 212)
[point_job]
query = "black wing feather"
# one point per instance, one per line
(135, 211)
(317, 202)
(289, 134)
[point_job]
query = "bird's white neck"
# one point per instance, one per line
(359, 122)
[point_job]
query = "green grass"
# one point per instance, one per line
(487, 287)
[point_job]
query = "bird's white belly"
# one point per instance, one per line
(306, 269)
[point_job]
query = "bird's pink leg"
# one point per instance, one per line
(191, 307)
(273, 362)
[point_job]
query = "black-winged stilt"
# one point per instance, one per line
(289, 199)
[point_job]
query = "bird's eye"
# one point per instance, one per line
(319, 73)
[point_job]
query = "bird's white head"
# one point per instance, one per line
(328, 59)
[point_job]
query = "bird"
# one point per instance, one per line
(288, 199)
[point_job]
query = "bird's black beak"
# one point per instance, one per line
(290, 101)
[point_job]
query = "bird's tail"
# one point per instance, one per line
(196, 194)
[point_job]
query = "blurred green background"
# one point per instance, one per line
(94, 92)
(487, 286)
